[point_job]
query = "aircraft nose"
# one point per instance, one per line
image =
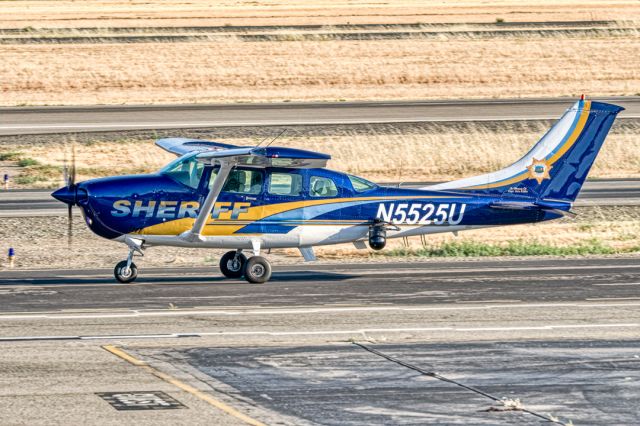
(66, 194)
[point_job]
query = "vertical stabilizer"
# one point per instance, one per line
(557, 166)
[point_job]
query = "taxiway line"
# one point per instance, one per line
(51, 120)
(350, 332)
(590, 304)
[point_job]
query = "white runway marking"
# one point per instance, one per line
(291, 311)
(165, 125)
(353, 273)
(614, 284)
(360, 331)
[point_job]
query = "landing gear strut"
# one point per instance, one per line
(232, 264)
(127, 271)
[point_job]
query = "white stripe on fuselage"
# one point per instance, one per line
(301, 236)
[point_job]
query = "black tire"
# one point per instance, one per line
(257, 270)
(118, 272)
(232, 267)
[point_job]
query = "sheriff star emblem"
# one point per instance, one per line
(539, 170)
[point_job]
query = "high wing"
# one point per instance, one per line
(216, 152)
(229, 156)
(268, 157)
(181, 146)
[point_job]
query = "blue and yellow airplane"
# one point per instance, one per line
(255, 198)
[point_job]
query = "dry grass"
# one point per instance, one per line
(235, 71)
(387, 153)
(621, 235)
(69, 13)
(88, 250)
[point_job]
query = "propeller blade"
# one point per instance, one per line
(72, 174)
(65, 168)
(70, 225)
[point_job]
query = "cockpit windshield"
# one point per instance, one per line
(185, 170)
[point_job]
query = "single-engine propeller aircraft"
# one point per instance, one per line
(255, 198)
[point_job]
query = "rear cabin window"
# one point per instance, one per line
(287, 184)
(361, 185)
(322, 187)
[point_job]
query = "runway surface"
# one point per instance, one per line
(48, 120)
(367, 284)
(604, 192)
(556, 337)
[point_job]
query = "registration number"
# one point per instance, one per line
(421, 214)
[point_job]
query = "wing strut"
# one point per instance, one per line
(193, 234)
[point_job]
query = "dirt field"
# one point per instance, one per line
(232, 70)
(369, 151)
(87, 250)
(237, 71)
(88, 13)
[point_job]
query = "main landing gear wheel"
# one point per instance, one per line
(232, 264)
(257, 270)
(124, 274)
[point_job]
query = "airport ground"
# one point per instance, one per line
(356, 338)
(559, 335)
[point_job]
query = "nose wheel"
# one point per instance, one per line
(125, 273)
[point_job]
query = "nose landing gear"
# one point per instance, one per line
(126, 271)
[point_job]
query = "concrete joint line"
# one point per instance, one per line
(120, 353)
(508, 403)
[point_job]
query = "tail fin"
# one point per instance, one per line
(557, 166)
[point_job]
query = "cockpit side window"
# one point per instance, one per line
(185, 170)
(240, 181)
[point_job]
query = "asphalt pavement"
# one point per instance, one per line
(364, 284)
(495, 341)
(49, 120)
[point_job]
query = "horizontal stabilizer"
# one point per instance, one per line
(557, 208)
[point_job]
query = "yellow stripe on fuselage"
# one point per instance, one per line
(221, 226)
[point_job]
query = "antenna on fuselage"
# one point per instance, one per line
(277, 136)
(274, 139)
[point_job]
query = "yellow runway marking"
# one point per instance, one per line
(185, 387)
